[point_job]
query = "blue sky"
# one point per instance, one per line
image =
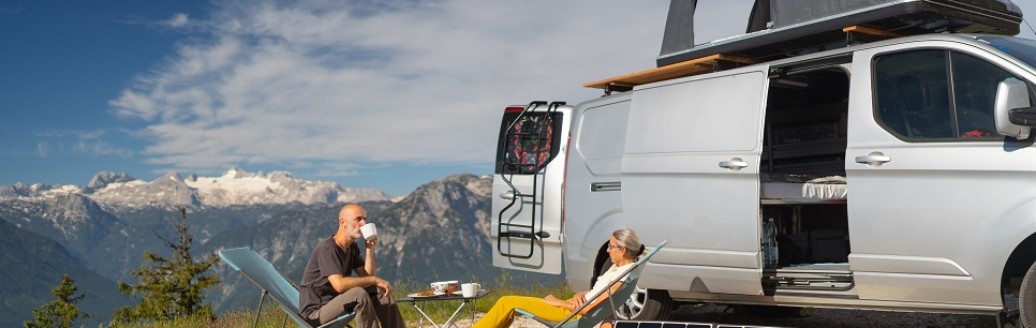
(385, 94)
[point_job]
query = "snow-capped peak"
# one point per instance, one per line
(104, 178)
(62, 190)
(232, 180)
(233, 187)
(230, 174)
(37, 191)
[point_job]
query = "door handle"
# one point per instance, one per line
(875, 158)
(509, 195)
(606, 186)
(734, 164)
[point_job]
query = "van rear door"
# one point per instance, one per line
(691, 176)
(527, 187)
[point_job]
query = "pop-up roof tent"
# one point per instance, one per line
(781, 28)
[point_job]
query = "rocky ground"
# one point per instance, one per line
(819, 318)
(831, 318)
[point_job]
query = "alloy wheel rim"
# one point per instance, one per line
(634, 305)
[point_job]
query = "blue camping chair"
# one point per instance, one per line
(598, 315)
(261, 273)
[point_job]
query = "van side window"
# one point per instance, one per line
(974, 90)
(912, 94)
(527, 143)
(915, 101)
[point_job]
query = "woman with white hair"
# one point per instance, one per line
(624, 248)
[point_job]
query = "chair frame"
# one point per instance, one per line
(611, 301)
(225, 253)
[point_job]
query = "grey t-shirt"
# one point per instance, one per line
(327, 259)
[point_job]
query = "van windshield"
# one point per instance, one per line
(1023, 49)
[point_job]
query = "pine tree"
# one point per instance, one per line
(169, 288)
(61, 312)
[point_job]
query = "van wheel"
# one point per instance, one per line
(643, 304)
(646, 304)
(1027, 299)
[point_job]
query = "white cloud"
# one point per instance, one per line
(42, 149)
(1028, 28)
(100, 147)
(388, 82)
(80, 142)
(178, 20)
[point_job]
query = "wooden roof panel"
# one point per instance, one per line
(672, 71)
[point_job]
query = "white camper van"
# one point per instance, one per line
(899, 173)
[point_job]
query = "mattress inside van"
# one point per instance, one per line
(830, 189)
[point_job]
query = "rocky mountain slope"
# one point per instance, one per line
(26, 281)
(439, 231)
(116, 217)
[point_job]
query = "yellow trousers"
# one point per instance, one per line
(502, 313)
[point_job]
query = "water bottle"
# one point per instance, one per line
(770, 244)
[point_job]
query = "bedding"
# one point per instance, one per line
(830, 189)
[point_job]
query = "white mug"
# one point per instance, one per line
(470, 289)
(369, 231)
(439, 287)
(443, 287)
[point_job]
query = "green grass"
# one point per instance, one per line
(273, 317)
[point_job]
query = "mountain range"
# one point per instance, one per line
(439, 231)
(234, 188)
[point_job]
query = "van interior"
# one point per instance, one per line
(803, 185)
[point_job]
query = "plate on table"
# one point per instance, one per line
(425, 295)
(460, 293)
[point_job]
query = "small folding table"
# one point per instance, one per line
(440, 304)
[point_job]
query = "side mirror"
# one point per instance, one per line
(1011, 110)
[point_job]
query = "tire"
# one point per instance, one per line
(646, 305)
(1027, 299)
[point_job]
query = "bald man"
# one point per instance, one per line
(337, 278)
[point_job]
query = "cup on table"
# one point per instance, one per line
(369, 231)
(452, 286)
(470, 289)
(445, 287)
(439, 287)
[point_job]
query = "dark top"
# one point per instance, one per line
(327, 259)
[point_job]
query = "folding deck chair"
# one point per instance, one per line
(602, 312)
(261, 273)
